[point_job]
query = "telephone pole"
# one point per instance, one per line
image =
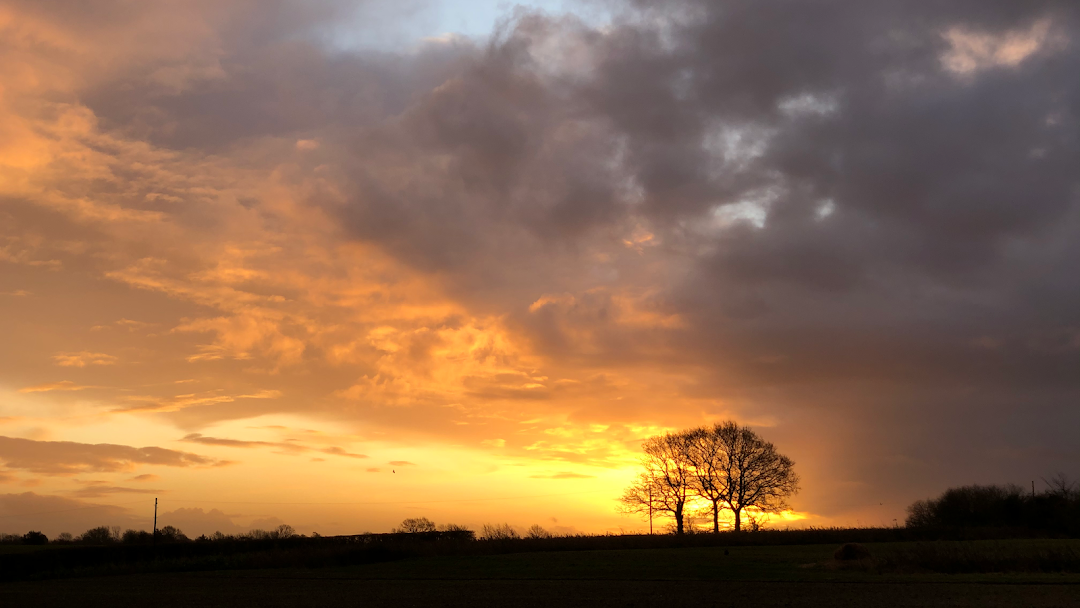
(650, 510)
(154, 540)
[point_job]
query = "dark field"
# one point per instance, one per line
(798, 575)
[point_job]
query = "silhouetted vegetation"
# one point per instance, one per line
(726, 466)
(34, 538)
(414, 525)
(538, 531)
(498, 532)
(1056, 510)
(101, 535)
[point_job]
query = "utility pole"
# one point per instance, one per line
(154, 540)
(650, 510)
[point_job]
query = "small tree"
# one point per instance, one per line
(755, 475)
(283, 531)
(498, 532)
(666, 486)
(537, 531)
(414, 525)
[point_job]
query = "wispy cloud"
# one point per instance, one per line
(63, 385)
(82, 359)
(563, 475)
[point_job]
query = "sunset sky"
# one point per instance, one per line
(338, 263)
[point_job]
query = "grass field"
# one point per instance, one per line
(799, 575)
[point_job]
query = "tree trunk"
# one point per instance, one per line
(678, 521)
(716, 518)
(738, 519)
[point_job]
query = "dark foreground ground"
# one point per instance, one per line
(801, 575)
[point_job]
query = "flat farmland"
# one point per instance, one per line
(799, 575)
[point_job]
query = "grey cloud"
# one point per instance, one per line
(282, 445)
(68, 457)
(55, 514)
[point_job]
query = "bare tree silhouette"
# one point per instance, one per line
(666, 486)
(755, 475)
(708, 462)
(538, 531)
(727, 465)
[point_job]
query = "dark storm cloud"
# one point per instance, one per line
(905, 206)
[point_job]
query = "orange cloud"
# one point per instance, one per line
(63, 385)
(82, 359)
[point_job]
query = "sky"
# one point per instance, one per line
(335, 264)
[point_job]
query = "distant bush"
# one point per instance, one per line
(101, 535)
(64, 538)
(34, 538)
(498, 532)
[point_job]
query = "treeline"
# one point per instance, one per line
(1055, 510)
(111, 535)
(417, 527)
(423, 525)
